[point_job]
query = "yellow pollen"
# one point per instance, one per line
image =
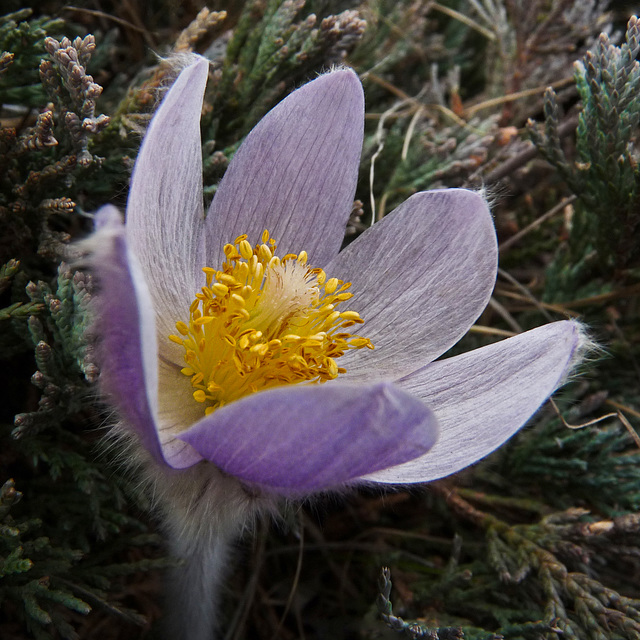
(262, 322)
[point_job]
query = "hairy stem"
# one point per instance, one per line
(194, 586)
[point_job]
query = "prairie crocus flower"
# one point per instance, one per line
(249, 358)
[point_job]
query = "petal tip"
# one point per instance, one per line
(345, 75)
(583, 346)
(341, 80)
(189, 64)
(107, 217)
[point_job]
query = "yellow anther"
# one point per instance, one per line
(264, 253)
(225, 278)
(239, 300)
(259, 349)
(243, 271)
(245, 249)
(209, 274)
(261, 322)
(331, 285)
(220, 289)
(182, 327)
(230, 251)
(298, 360)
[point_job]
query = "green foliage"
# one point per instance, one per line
(61, 351)
(597, 466)
(27, 563)
(605, 174)
(420, 153)
(411, 630)
(401, 37)
(21, 48)
(42, 163)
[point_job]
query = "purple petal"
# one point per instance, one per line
(420, 278)
(311, 437)
(296, 172)
(165, 210)
(125, 323)
(483, 397)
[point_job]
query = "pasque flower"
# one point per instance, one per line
(244, 350)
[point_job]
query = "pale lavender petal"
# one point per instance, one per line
(483, 397)
(125, 323)
(296, 172)
(312, 437)
(420, 278)
(165, 209)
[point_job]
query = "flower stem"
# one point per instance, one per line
(194, 585)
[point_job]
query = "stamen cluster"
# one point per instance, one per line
(262, 322)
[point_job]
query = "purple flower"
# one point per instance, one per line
(264, 376)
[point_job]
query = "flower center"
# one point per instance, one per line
(263, 322)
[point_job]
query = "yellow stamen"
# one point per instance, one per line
(262, 322)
